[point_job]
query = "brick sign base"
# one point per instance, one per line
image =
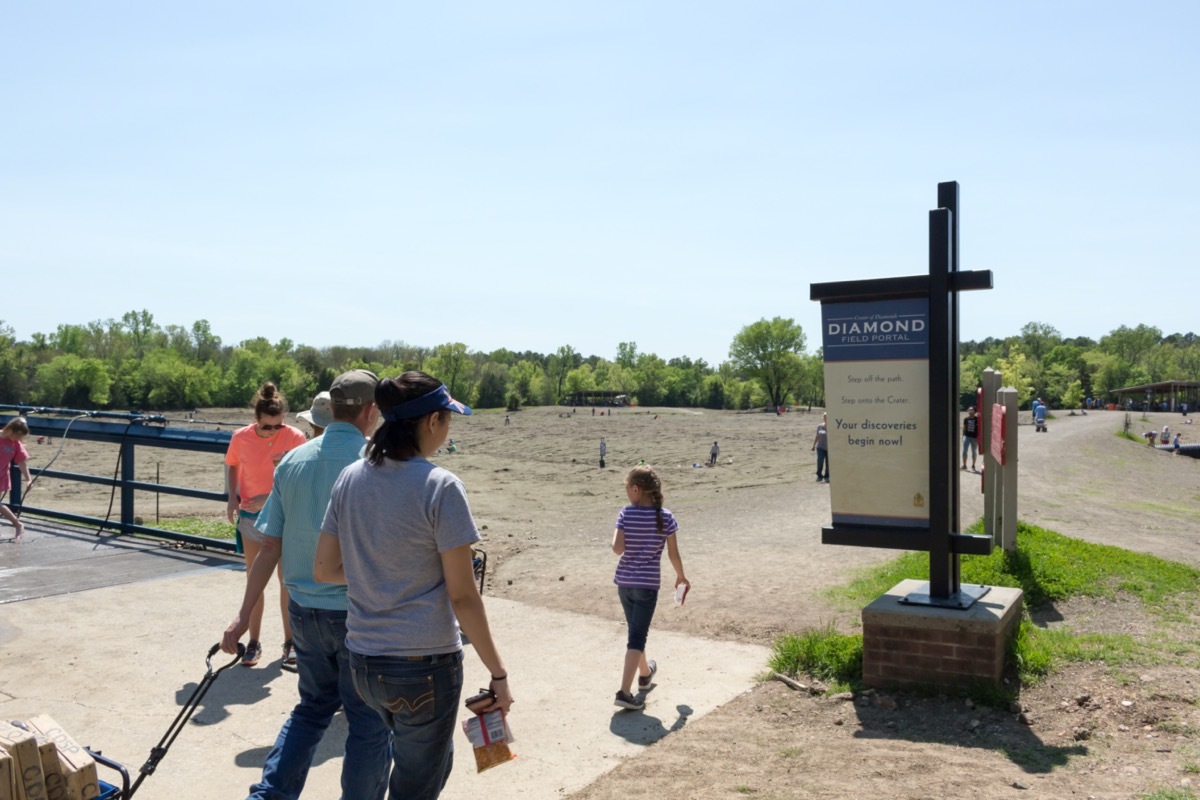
(918, 646)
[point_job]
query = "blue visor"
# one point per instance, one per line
(436, 400)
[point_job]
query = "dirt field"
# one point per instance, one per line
(750, 539)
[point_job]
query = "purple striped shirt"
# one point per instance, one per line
(640, 564)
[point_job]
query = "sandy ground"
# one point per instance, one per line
(750, 539)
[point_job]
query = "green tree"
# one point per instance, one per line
(653, 379)
(206, 343)
(141, 327)
(522, 379)
(1131, 343)
(1016, 372)
(451, 366)
(1073, 397)
(581, 379)
(559, 364)
(492, 388)
(627, 354)
(1038, 339)
(809, 387)
(713, 392)
(69, 380)
(766, 351)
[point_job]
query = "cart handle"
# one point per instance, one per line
(158, 751)
(212, 651)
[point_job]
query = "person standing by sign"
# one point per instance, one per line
(821, 445)
(970, 438)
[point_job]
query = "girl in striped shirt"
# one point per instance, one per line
(644, 527)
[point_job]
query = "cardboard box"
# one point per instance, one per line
(56, 785)
(27, 763)
(78, 768)
(8, 777)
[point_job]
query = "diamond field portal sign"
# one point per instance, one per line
(877, 400)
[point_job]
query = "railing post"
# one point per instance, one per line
(127, 477)
(14, 482)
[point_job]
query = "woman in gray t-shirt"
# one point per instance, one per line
(398, 532)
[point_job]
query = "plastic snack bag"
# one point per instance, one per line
(488, 732)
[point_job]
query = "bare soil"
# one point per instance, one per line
(750, 538)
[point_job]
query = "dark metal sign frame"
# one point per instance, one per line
(942, 539)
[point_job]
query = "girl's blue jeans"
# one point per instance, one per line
(639, 605)
(417, 697)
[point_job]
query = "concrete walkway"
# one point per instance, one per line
(114, 664)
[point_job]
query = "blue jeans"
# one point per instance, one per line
(325, 685)
(822, 464)
(417, 698)
(639, 605)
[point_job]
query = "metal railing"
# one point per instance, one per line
(129, 431)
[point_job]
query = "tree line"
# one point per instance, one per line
(136, 363)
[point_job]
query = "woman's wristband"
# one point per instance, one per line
(501, 678)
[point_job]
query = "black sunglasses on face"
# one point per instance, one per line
(270, 427)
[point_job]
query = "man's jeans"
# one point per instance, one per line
(325, 684)
(822, 464)
(418, 697)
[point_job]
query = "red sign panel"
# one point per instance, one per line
(996, 446)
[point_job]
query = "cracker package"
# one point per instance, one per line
(27, 763)
(490, 736)
(77, 767)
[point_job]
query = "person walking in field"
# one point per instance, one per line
(713, 452)
(250, 461)
(643, 529)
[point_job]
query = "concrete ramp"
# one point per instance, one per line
(113, 665)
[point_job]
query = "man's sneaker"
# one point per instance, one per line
(629, 702)
(646, 681)
(253, 653)
(289, 656)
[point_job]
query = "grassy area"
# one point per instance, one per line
(1169, 794)
(1047, 567)
(211, 527)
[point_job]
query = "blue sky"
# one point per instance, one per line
(528, 175)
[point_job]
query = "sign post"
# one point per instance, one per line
(891, 385)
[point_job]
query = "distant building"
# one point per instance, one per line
(1173, 393)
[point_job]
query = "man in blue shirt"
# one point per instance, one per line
(291, 520)
(1039, 416)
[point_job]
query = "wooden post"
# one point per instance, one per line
(1007, 525)
(991, 462)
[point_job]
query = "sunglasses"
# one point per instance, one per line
(270, 427)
